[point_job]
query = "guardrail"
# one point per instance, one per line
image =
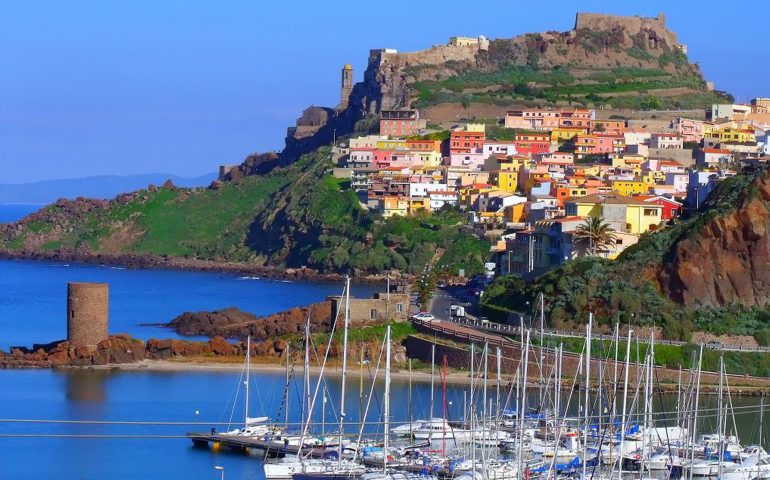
(505, 329)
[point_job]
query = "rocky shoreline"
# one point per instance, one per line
(123, 349)
(150, 261)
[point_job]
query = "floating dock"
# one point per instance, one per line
(267, 448)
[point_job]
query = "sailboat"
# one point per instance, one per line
(300, 468)
(255, 427)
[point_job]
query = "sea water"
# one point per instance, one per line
(33, 297)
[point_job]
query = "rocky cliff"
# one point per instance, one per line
(724, 258)
(603, 50)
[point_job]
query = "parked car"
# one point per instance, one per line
(714, 344)
(424, 316)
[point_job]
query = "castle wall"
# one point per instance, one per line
(632, 24)
(437, 54)
(87, 313)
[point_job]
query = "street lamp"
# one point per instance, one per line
(222, 469)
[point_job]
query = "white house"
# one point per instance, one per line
(421, 189)
(666, 140)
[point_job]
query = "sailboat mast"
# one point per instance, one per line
(444, 405)
(387, 401)
(761, 416)
(288, 378)
(720, 415)
(588, 391)
(344, 363)
(409, 395)
(306, 371)
(499, 379)
(624, 425)
(695, 413)
(473, 381)
(248, 374)
(432, 377)
(522, 405)
(615, 375)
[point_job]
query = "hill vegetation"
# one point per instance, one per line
(290, 217)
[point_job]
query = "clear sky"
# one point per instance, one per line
(140, 86)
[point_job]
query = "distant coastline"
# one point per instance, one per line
(150, 261)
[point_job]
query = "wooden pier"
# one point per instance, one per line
(267, 448)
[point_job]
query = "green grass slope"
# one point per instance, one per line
(291, 217)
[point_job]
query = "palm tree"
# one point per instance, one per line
(595, 233)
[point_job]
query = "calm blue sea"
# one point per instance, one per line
(154, 397)
(33, 297)
(15, 211)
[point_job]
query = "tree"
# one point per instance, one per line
(595, 234)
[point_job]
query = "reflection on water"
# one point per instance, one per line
(86, 385)
(206, 397)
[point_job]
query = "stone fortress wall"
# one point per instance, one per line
(87, 313)
(632, 24)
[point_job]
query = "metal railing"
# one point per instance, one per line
(505, 329)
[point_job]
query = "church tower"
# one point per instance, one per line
(347, 85)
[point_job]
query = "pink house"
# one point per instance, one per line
(597, 144)
(690, 130)
(382, 158)
(556, 158)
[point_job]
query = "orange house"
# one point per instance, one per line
(424, 145)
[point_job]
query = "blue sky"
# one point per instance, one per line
(139, 86)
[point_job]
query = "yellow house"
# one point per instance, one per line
(469, 194)
(653, 177)
(390, 206)
(515, 213)
(427, 159)
(566, 133)
(733, 135)
(391, 144)
(505, 180)
(418, 204)
(630, 187)
(623, 214)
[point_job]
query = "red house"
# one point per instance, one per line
(400, 123)
(671, 208)
(533, 143)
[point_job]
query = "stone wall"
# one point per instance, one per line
(373, 310)
(681, 155)
(87, 313)
(633, 24)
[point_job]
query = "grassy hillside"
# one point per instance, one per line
(294, 216)
(622, 87)
(605, 287)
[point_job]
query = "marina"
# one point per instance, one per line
(533, 422)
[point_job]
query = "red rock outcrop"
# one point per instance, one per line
(121, 349)
(234, 323)
(727, 259)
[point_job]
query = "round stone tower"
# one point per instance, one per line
(87, 313)
(346, 86)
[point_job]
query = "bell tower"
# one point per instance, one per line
(347, 85)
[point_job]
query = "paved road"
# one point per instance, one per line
(443, 298)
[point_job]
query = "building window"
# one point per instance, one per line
(399, 308)
(649, 212)
(373, 314)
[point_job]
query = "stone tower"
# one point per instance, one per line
(87, 313)
(347, 85)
